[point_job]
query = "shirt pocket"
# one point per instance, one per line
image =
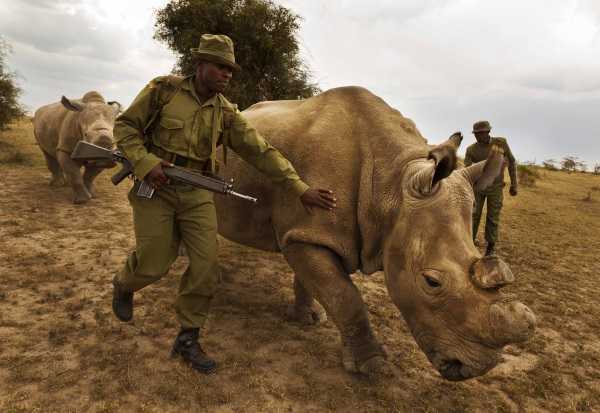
(204, 147)
(170, 133)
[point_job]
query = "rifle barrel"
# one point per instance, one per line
(242, 196)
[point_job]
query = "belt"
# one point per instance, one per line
(178, 159)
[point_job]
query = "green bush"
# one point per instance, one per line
(10, 108)
(265, 36)
(527, 174)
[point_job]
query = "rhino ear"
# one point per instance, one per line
(116, 106)
(444, 162)
(444, 156)
(482, 174)
(72, 104)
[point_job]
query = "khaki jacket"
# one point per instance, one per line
(193, 129)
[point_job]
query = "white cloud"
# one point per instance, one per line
(72, 47)
(531, 67)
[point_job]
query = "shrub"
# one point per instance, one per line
(10, 108)
(550, 164)
(267, 45)
(527, 174)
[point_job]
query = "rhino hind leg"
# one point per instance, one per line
(305, 310)
(58, 178)
(320, 271)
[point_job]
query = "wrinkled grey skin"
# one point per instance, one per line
(403, 209)
(59, 126)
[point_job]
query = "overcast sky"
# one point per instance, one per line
(531, 67)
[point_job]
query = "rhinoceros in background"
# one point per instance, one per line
(59, 126)
(402, 208)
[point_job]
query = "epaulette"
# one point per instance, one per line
(229, 111)
(168, 80)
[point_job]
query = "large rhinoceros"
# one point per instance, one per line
(59, 126)
(403, 208)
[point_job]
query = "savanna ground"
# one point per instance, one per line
(61, 349)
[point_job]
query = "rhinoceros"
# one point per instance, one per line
(403, 208)
(59, 126)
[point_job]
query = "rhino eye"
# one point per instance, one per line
(432, 282)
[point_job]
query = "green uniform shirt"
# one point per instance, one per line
(187, 127)
(478, 152)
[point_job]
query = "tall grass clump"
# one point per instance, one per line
(527, 174)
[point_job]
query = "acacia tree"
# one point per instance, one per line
(569, 163)
(265, 38)
(10, 108)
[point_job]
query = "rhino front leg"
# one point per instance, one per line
(73, 172)
(90, 173)
(305, 309)
(58, 179)
(320, 271)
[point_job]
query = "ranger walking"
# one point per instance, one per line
(181, 121)
(479, 152)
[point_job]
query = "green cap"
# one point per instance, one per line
(216, 48)
(481, 126)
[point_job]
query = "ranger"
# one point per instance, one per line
(479, 152)
(181, 121)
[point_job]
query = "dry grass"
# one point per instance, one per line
(62, 350)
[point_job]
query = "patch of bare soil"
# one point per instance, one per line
(61, 349)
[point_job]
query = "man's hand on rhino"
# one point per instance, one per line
(513, 190)
(321, 198)
(156, 177)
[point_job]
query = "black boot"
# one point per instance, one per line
(122, 302)
(186, 345)
(490, 249)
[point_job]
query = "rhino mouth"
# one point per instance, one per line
(455, 369)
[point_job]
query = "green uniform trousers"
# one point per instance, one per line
(494, 198)
(175, 213)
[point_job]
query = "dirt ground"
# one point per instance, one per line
(61, 349)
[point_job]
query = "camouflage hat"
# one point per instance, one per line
(481, 126)
(216, 48)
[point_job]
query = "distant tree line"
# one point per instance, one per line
(569, 164)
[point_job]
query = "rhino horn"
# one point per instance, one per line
(72, 104)
(444, 162)
(491, 272)
(511, 322)
(482, 174)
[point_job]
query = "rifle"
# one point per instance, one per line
(85, 151)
